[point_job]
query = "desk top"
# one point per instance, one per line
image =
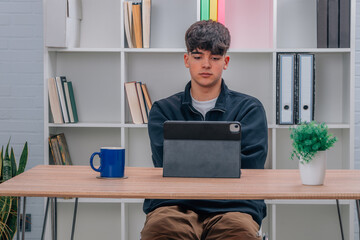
(81, 181)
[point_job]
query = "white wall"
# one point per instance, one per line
(21, 87)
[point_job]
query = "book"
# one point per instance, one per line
(333, 21)
(146, 12)
(128, 24)
(54, 101)
(55, 148)
(68, 102)
(133, 101)
(344, 24)
(213, 10)
(136, 13)
(63, 149)
(204, 9)
(60, 92)
(51, 153)
(322, 23)
(142, 102)
(221, 11)
(71, 102)
(147, 96)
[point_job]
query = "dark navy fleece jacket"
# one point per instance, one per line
(230, 106)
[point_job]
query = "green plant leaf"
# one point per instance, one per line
(13, 163)
(23, 159)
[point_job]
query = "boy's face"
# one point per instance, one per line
(205, 68)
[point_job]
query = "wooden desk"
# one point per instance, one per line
(82, 182)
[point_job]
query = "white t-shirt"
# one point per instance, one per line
(203, 106)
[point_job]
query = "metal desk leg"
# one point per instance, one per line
(24, 218)
(74, 218)
(45, 218)
(340, 222)
(358, 212)
(18, 218)
(55, 218)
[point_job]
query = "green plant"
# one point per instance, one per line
(8, 204)
(308, 139)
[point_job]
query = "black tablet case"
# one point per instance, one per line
(202, 149)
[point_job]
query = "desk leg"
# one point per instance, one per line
(358, 212)
(24, 218)
(18, 218)
(55, 218)
(340, 222)
(45, 218)
(74, 218)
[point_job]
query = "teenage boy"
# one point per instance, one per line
(206, 97)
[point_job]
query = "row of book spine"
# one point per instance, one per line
(213, 9)
(139, 101)
(59, 150)
(333, 23)
(137, 23)
(62, 100)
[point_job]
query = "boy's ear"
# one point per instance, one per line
(186, 59)
(226, 59)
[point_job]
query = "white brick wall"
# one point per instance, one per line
(21, 87)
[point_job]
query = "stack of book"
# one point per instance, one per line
(137, 23)
(59, 150)
(333, 23)
(212, 9)
(139, 101)
(62, 100)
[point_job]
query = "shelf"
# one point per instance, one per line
(330, 126)
(115, 50)
(315, 50)
(307, 202)
(97, 125)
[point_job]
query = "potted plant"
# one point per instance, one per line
(310, 142)
(8, 204)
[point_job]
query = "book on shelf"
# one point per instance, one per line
(128, 23)
(59, 150)
(139, 101)
(137, 25)
(70, 102)
(54, 146)
(54, 101)
(60, 90)
(333, 23)
(134, 103)
(62, 100)
(146, 12)
(146, 96)
(295, 88)
(63, 23)
(221, 11)
(204, 9)
(213, 10)
(144, 111)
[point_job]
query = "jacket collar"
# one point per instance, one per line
(220, 102)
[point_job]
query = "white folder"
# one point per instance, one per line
(286, 80)
(306, 82)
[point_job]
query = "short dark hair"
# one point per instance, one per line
(208, 35)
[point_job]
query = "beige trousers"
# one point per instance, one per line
(175, 223)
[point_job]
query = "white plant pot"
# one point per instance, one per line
(313, 173)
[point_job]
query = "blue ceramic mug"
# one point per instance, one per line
(112, 162)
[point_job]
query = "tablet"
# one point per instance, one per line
(209, 149)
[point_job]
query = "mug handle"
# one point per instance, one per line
(91, 161)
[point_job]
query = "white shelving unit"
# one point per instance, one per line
(103, 63)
